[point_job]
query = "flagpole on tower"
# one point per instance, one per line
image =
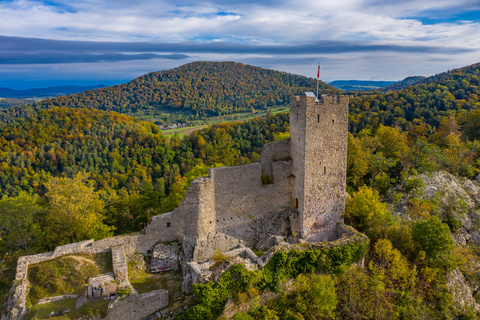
(318, 77)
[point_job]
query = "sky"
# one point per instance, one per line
(90, 42)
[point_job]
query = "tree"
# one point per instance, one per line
(357, 161)
(313, 297)
(176, 195)
(393, 144)
(433, 237)
(389, 261)
(19, 221)
(367, 213)
(362, 297)
(74, 211)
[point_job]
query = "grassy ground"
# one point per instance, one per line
(143, 281)
(241, 116)
(172, 281)
(42, 311)
(102, 260)
(64, 275)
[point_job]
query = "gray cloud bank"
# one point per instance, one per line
(19, 50)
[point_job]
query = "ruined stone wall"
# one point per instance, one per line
(137, 307)
(272, 152)
(119, 263)
(200, 220)
(205, 248)
(130, 244)
(167, 226)
(241, 197)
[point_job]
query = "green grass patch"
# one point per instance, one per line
(259, 253)
(102, 260)
(92, 308)
(143, 281)
(64, 275)
(179, 130)
(169, 116)
(42, 311)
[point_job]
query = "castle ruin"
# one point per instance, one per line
(304, 196)
(295, 193)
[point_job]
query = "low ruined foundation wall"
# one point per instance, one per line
(205, 248)
(137, 307)
(16, 304)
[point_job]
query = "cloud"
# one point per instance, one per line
(16, 50)
(50, 58)
(357, 37)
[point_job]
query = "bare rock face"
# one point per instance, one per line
(462, 294)
(166, 256)
(455, 198)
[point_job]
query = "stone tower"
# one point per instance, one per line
(318, 131)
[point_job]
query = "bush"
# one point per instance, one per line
(365, 212)
(123, 292)
(433, 237)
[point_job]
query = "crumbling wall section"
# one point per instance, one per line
(119, 263)
(272, 152)
(137, 307)
(241, 197)
(168, 226)
(129, 244)
(205, 248)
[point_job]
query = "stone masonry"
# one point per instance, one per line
(232, 208)
(231, 205)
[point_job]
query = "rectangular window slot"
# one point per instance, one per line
(168, 224)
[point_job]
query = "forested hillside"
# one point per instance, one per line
(199, 88)
(424, 103)
(70, 174)
(6, 103)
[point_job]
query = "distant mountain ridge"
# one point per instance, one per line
(45, 92)
(408, 81)
(360, 85)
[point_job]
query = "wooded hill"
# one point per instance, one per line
(424, 103)
(133, 173)
(199, 88)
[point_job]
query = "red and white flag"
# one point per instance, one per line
(318, 73)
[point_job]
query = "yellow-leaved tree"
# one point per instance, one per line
(365, 212)
(74, 211)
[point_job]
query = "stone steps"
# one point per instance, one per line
(274, 229)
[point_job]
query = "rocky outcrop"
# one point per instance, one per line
(166, 256)
(455, 200)
(462, 294)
